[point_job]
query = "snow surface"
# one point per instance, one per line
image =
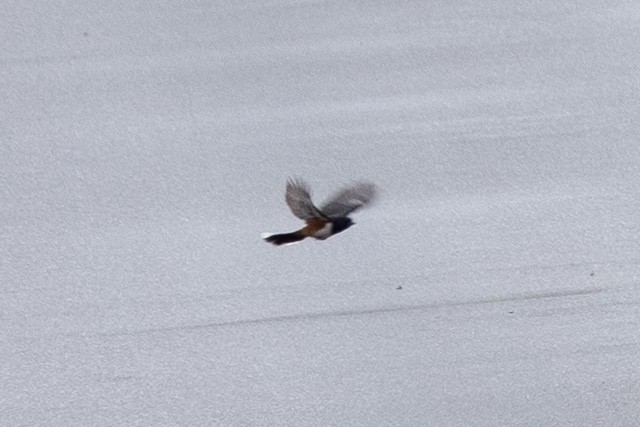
(145, 147)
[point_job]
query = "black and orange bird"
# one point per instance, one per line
(331, 218)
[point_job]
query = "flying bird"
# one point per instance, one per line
(332, 216)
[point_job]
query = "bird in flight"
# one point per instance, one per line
(332, 216)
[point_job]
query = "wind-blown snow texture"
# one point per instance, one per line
(145, 147)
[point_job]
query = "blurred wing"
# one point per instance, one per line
(349, 199)
(298, 198)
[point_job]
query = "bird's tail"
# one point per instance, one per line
(284, 239)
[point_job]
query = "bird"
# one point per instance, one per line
(331, 218)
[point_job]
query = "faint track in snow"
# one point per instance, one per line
(301, 317)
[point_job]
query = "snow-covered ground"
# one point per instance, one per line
(144, 147)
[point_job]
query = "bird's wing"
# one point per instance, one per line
(349, 199)
(298, 198)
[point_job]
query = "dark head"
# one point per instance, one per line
(341, 224)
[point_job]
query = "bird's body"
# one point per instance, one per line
(331, 218)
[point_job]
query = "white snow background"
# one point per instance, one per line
(145, 147)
